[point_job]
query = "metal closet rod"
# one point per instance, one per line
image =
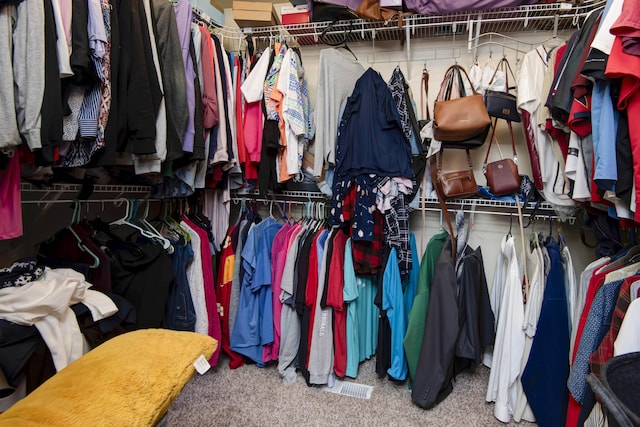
(63, 201)
(266, 202)
(536, 216)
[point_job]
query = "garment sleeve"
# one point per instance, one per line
(209, 96)
(320, 143)
(253, 86)
(28, 69)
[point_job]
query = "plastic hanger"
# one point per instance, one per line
(74, 220)
(127, 220)
(166, 244)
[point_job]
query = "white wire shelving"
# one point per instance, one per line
(542, 17)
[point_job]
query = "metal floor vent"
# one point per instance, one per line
(347, 388)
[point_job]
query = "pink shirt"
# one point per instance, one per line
(279, 250)
(209, 95)
(10, 200)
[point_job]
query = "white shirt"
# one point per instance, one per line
(603, 40)
(628, 340)
(253, 86)
(510, 338)
(535, 270)
(195, 277)
(45, 303)
(575, 168)
(531, 89)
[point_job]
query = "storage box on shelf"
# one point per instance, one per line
(295, 15)
(253, 14)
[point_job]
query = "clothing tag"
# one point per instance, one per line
(202, 365)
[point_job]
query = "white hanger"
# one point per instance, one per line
(126, 220)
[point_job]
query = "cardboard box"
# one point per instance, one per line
(253, 14)
(295, 15)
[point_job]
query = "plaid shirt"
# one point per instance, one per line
(605, 351)
(396, 230)
(367, 256)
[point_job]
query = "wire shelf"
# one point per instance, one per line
(27, 187)
(531, 18)
(485, 206)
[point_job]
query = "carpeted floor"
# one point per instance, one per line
(251, 396)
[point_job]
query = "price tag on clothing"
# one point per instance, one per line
(202, 365)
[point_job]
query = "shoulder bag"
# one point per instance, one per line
(459, 122)
(455, 184)
(502, 105)
(502, 175)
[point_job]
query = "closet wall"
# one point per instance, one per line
(442, 53)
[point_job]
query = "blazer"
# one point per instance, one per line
(432, 383)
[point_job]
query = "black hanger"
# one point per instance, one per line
(341, 43)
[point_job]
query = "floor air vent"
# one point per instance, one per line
(347, 388)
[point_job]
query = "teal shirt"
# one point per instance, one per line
(350, 294)
(393, 304)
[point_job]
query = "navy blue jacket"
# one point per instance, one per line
(370, 137)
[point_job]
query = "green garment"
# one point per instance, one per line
(418, 313)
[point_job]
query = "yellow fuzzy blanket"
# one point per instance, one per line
(130, 380)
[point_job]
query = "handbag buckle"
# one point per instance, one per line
(515, 159)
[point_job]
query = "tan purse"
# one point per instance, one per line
(460, 119)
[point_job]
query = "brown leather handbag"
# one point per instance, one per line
(502, 175)
(455, 184)
(459, 119)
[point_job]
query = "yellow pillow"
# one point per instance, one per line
(130, 380)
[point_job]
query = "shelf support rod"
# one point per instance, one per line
(407, 34)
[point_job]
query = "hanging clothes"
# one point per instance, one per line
(418, 314)
(510, 338)
(320, 360)
(544, 378)
(475, 319)
(337, 77)
(393, 305)
(181, 312)
(290, 343)
(335, 299)
(253, 327)
(534, 297)
(434, 371)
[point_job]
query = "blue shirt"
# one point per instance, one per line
(254, 320)
(410, 282)
(393, 303)
(605, 127)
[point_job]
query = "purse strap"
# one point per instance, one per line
(424, 94)
(506, 68)
(454, 73)
(513, 143)
(437, 162)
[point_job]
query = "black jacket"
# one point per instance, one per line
(475, 317)
(144, 276)
(432, 383)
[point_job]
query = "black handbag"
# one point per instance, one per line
(327, 12)
(502, 105)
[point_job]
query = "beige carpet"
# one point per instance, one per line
(252, 396)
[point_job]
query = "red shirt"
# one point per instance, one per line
(335, 299)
